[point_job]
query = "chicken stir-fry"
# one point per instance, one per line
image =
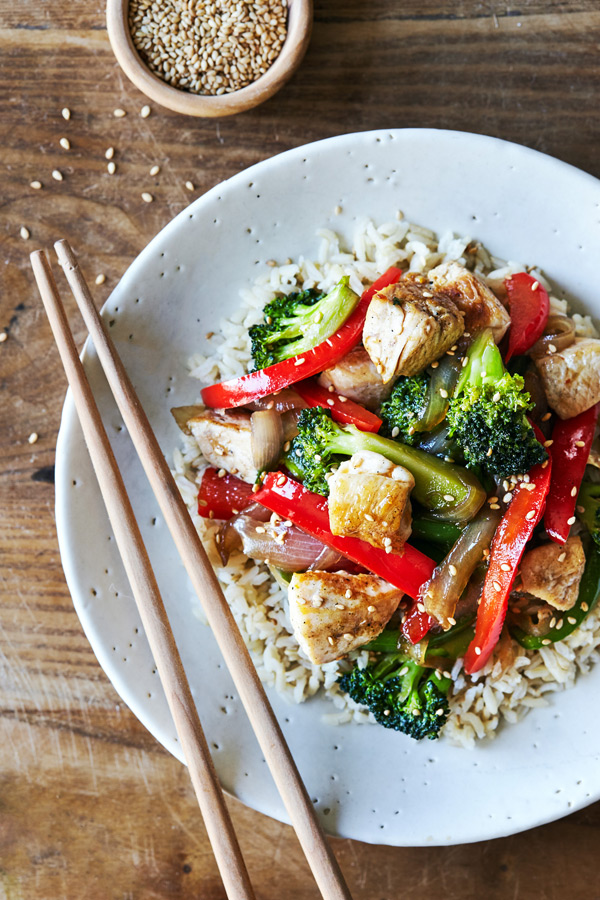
(473, 297)
(571, 377)
(408, 326)
(224, 438)
(553, 573)
(356, 377)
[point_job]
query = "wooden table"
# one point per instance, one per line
(90, 806)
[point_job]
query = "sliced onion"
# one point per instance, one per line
(442, 592)
(328, 558)
(289, 421)
(266, 438)
(558, 333)
(228, 539)
(295, 553)
(281, 402)
(534, 387)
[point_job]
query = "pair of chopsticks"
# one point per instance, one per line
(150, 605)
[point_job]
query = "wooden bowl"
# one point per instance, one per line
(299, 26)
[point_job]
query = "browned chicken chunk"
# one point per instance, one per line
(223, 436)
(369, 498)
(471, 294)
(356, 377)
(571, 377)
(552, 572)
(408, 326)
(333, 613)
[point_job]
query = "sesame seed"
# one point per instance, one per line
(348, 594)
(548, 443)
(379, 368)
(36, 185)
(32, 437)
(317, 601)
(65, 143)
(287, 446)
(386, 712)
(544, 464)
(369, 517)
(255, 488)
(434, 365)
(496, 585)
(66, 113)
(559, 624)
(145, 112)
(57, 175)
(496, 397)
(211, 514)
(154, 170)
(448, 459)
(452, 569)
(119, 113)
(494, 506)
(489, 451)
(573, 492)
(101, 278)
(342, 399)
(443, 393)
(403, 671)
(189, 185)
(395, 431)
(546, 641)
(3, 337)
(330, 640)
(546, 417)
(580, 443)
(571, 620)
(584, 606)
(505, 567)
(111, 167)
(421, 607)
(451, 620)
(340, 606)
(221, 473)
(551, 348)
(331, 389)
(281, 480)
(492, 499)
(109, 153)
(535, 285)
(146, 197)
(300, 361)
(553, 622)
(464, 361)
(562, 556)
(330, 402)
(580, 509)
(507, 497)
(571, 520)
(337, 211)
(478, 651)
(449, 498)
(370, 609)
(24, 232)
(347, 636)
(530, 515)
(439, 712)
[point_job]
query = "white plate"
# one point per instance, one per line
(367, 783)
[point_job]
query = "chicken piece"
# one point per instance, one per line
(571, 377)
(356, 377)
(333, 613)
(471, 294)
(369, 498)
(408, 326)
(552, 572)
(223, 436)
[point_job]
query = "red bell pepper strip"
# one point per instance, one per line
(341, 409)
(239, 391)
(416, 624)
(222, 498)
(571, 442)
(515, 529)
(310, 512)
(529, 306)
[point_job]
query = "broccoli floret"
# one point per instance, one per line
(401, 694)
(405, 406)
(321, 443)
(298, 322)
(487, 414)
(588, 509)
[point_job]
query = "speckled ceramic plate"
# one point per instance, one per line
(367, 783)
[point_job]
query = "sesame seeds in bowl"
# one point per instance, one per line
(209, 57)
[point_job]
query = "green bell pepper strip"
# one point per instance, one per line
(589, 591)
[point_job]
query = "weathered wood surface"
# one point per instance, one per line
(90, 805)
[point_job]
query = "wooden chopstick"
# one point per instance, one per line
(300, 809)
(149, 601)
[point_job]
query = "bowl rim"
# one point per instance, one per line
(300, 18)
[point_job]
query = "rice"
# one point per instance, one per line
(514, 680)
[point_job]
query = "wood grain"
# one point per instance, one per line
(90, 805)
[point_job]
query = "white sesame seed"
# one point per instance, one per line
(146, 197)
(546, 641)
(584, 606)
(330, 640)
(562, 556)
(571, 620)
(24, 232)
(507, 497)
(101, 278)
(443, 393)
(451, 620)
(370, 609)
(331, 389)
(348, 594)
(496, 397)
(337, 211)
(535, 285)
(421, 607)
(342, 399)
(57, 175)
(112, 168)
(189, 185)
(449, 498)
(36, 185)
(452, 569)
(340, 606)
(439, 712)
(434, 365)
(330, 402)
(32, 437)
(65, 143)
(551, 348)
(154, 170)
(478, 651)
(489, 451)
(287, 446)
(109, 153)
(580, 443)
(395, 431)
(530, 515)
(496, 585)
(347, 636)
(3, 337)
(573, 491)
(221, 473)
(571, 520)
(145, 112)
(66, 113)
(464, 361)
(546, 417)
(119, 113)
(369, 517)
(300, 361)
(281, 480)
